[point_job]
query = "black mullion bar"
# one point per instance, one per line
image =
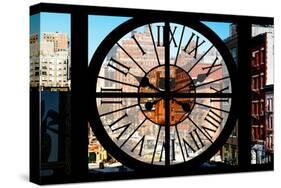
(244, 79)
(167, 91)
(208, 106)
(175, 95)
(119, 82)
(79, 127)
(118, 110)
(203, 84)
(35, 135)
(127, 95)
(63, 8)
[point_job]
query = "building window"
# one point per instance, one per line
(256, 59)
(262, 56)
(269, 104)
(270, 122)
(261, 107)
(262, 80)
(255, 108)
(257, 83)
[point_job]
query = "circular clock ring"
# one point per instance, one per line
(119, 151)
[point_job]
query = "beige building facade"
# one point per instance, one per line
(50, 61)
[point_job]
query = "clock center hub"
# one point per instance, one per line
(154, 107)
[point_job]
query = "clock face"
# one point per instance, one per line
(162, 93)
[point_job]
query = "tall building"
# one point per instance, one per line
(258, 97)
(262, 95)
(50, 61)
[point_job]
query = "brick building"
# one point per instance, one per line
(262, 94)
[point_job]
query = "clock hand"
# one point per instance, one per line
(144, 82)
(148, 105)
(186, 85)
(161, 83)
(186, 106)
(201, 77)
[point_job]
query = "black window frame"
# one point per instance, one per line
(79, 66)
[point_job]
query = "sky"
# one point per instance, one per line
(99, 27)
(50, 22)
(220, 28)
